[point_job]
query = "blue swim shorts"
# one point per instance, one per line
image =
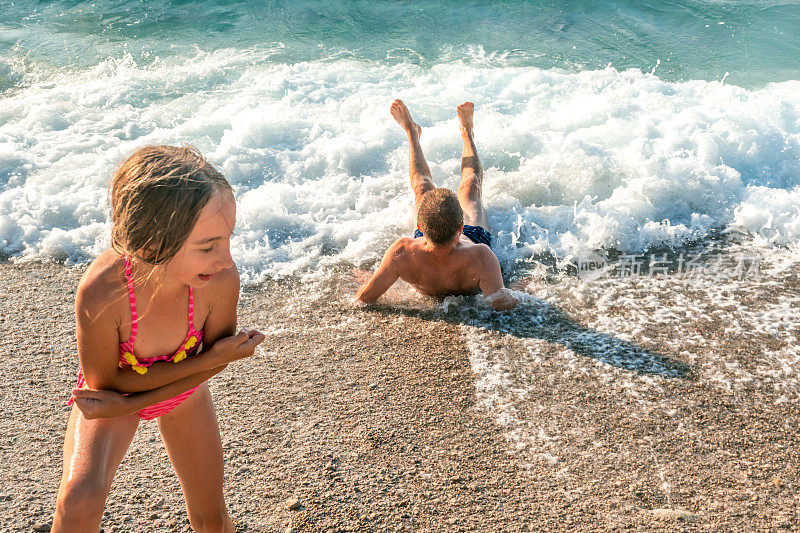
(476, 234)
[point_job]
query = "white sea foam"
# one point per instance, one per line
(574, 161)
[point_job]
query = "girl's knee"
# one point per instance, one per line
(80, 505)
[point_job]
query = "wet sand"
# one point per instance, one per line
(394, 418)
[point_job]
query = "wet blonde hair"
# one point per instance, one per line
(156, 197)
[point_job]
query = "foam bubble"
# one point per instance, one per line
(772, 215)
(9, 76)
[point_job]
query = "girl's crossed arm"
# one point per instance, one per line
(163, 380)
(106, 403)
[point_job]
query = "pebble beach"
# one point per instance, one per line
(389, 418)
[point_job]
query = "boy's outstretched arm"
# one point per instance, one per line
(384, 277)
(491, 283)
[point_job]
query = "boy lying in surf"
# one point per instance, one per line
(450, 252)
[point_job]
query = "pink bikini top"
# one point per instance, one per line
(190, 343)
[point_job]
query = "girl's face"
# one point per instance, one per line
(207, 250)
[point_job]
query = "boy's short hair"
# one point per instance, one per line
(440, 216)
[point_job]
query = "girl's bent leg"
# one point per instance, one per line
(191, 435)
(93, 450)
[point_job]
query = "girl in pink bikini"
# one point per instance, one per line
(156, 317)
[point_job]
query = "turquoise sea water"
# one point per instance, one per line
(601, 124)
(755, 42)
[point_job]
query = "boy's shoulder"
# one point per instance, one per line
(402, 245)
(477, 251)
(403, 249)
(485, 252)
(480, 259)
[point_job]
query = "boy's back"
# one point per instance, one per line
(432, 272)
(451, 256)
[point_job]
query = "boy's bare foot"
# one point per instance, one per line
(403, 117)
(465, 112)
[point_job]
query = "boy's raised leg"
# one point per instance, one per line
(418, 170)
(470, 191)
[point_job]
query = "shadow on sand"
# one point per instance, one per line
(535, 319)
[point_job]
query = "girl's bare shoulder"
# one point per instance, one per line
(102, 285)
(225, 283)
(224, 287)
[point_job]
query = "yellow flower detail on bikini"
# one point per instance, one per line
(131, 359)
(188, 345)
